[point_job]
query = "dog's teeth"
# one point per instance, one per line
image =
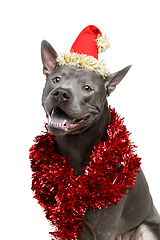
(49, 118)
(73, 120)
(57, 124)
(64, 122)
(53, 111)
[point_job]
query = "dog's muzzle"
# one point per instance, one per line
(58, 118)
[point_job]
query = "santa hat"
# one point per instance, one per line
(84, 51)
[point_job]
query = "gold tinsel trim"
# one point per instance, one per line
(102, 43)
(83, 61)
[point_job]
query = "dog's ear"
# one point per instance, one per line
(114, 79)
(48, 55)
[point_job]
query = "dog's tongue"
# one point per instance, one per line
(60, 118)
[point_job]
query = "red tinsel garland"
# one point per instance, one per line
(64, 196)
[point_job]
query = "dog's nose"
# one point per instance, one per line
(61, 95)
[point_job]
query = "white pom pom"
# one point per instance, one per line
(102, 43)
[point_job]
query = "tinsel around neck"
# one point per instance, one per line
(64, 196)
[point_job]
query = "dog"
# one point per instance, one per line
(75, 102)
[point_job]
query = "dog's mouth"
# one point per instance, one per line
(57, 118)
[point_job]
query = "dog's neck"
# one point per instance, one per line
(78, 147)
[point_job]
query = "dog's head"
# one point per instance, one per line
(74, 99)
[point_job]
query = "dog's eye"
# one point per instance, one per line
(87, 88)
(56, 79)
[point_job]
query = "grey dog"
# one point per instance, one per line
(75, 102)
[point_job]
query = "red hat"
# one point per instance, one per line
(84, 51)
(86, 42)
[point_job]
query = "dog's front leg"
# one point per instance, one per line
(102, 224)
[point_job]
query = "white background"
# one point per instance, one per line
(133, 30)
